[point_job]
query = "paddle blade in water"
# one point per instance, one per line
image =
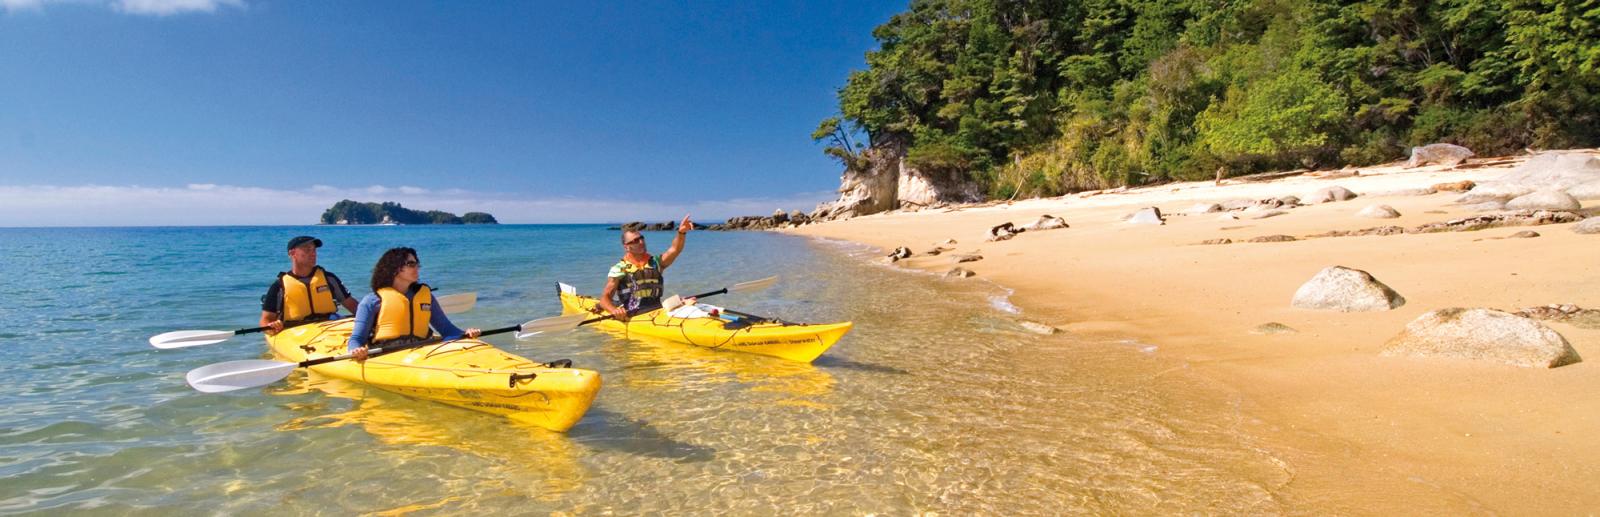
(238, 375)
(753, 285)
(550, 325)
(183, 338)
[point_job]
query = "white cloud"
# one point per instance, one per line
(138, 7)
(21, 5)
(171, 7)
(211, 204)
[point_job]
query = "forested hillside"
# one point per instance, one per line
(1045, 97)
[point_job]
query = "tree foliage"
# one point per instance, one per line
(1043, 97)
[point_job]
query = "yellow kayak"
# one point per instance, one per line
(467, 373)
(802, 342)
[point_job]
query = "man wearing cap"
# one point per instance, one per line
(305, 292)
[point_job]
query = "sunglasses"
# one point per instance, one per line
(413, 263)
(636, 240)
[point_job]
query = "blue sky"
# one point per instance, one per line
(136, 112)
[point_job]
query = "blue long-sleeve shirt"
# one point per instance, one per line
(367, 316)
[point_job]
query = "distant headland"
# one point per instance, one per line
(356, 212)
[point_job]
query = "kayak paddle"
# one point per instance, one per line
(251, 373)
(451, 303)
(677, 301)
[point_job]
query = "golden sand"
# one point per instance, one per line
(1361, 433)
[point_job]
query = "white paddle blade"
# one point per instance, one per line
(183, 338)
(457, 303)
(753, 285)
(238, 375)
(550, 325)
(672, 303)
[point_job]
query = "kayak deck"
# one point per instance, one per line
(802, 342)
(466, 373)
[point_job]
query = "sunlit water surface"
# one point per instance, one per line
(938, 401)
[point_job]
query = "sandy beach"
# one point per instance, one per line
(1359, 432)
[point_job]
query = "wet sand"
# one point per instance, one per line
(1360, 433)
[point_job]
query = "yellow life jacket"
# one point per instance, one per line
(400, 317)
(307, 300)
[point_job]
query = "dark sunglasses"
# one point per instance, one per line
(413, 263)
(636, 240)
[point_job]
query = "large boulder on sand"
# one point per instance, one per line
(1588, 226)
(1544, 200)
(1484, 334)
(1338, 288)
(1442, 154)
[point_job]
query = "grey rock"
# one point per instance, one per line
(1151, 215)
(1039, 328)
(900, 253)
(1588, 226)
(1273, 328)
(1273, 238)
(1403, 192)
(959, 273)
(1551, 171)
(1379, 212)
(1238, 204)
(1486, 206)
(971, 257)
(1544, 200)
(1046, 222)
(1002, 232)
(1482, 334)
(1475, 197)
(1525, 234)
(1216, 241)
(1289, 201)
(1203, 208)
(1443, 154)
(1585, 191)
(1342, 289)
(1263, 214)
(1329, 195)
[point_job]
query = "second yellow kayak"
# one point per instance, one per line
(802, 342)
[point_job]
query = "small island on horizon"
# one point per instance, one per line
(349, 212)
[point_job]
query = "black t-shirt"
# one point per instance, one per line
(273, 300)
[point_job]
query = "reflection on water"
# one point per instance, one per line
(935, 402)
(543, 463)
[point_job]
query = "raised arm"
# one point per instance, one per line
(677, 243)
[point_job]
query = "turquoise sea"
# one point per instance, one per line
(937, 402)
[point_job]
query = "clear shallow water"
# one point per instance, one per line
(937, 401)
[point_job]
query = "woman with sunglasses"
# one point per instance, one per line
(635, 283)
(400, 307)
